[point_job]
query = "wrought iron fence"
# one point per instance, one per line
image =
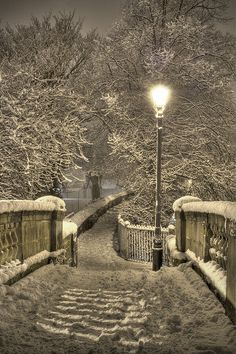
(136, 241)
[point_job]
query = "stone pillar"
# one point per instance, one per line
(123, 240)
(231, 273)
(56, 230)
(180, 231)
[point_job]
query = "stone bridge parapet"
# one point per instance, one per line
(206, 232)
(33, 232)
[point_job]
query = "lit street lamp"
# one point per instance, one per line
(160, 95)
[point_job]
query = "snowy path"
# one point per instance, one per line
(110, 305)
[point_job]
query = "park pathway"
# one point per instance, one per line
(109, 305)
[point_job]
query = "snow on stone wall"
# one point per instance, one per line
(58, 202)
(214, 273)
(226, 209)
(11, 269)
(48, 203)
(175, 255)
(177, 205)
(69, 228)
(89, 215)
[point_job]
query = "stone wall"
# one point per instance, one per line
(30, 231)
(206, 231)
(26, 233)
(87, 217)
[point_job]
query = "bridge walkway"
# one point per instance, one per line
(109, 305)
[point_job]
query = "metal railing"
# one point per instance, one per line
(136, 241)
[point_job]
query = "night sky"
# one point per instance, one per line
(96, 13)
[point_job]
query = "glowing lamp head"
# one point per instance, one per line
(160, 95)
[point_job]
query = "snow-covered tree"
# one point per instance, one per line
(42, 105)
(177, 43)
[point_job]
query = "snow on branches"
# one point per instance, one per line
(41, 112)
(176, 43)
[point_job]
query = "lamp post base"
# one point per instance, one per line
(157, 255)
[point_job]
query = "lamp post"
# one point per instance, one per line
(160, 95)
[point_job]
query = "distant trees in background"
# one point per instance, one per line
(175, 43)
(67, 97)
(42, 131)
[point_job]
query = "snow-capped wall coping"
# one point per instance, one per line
(68, 228)
(87, 217)
(215, 275)
(178, 203)
(58, 202)
(226, 209)
(175, 257)
(199, 232)
(48, 203)
(12, 269)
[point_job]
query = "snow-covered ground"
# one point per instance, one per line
(215, 274)
(109, 305)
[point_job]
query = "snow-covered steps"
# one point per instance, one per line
(99, 315)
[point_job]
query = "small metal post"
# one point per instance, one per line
(72, 250)
(157, 254)
(76, 251)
